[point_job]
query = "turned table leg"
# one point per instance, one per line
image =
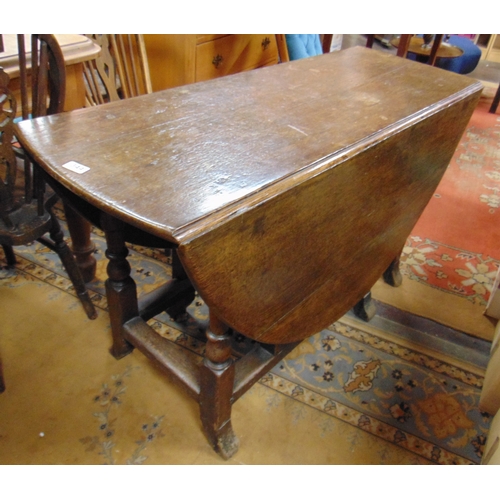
(121, 289)
(392, 275)
(216, 390)
(81, 244)
(178, 311)
(10, 256)
(365, 309)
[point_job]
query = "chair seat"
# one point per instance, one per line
(467, 62)
(27, 225)
(25, 201)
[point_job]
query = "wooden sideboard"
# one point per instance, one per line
(176, 60)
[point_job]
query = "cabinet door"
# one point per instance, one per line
(233, 54)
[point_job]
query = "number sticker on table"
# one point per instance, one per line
(76, 167)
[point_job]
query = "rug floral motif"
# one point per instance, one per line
(409, 398)
(107, 402)
(449, 269)
(454, 245)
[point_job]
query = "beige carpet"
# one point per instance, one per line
(68, 401)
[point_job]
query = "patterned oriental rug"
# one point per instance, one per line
(454, 246)
(352, 394)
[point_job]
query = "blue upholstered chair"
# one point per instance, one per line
(464, 64)
(301, 46)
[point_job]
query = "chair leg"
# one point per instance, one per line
(496, 101)
(69, 263)
(10, 257)
(2, 381)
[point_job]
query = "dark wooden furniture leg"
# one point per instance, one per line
(435, 47)
(404, 44)
(178, 310)
(82, 246)
(326, 43)
(496, 101)
(10, 256)
(121, 290)
(392, 275)
(2, 381)
(216, 390)
(217, 372)
(59, 245)
(365, 309)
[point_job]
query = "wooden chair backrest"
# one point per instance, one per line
(7, 156)
(121, 70)
(43, 78)
(42, 82)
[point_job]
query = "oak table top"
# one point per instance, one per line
(288, 189)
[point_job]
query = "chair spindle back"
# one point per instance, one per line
(43, 92)
(121, 70)
(8, 168)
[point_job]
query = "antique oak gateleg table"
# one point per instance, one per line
(284, 192)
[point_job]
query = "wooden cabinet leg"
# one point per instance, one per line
(81, 244)
(121, 289)
(365, 309)
(392, 275)
(216, 390)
